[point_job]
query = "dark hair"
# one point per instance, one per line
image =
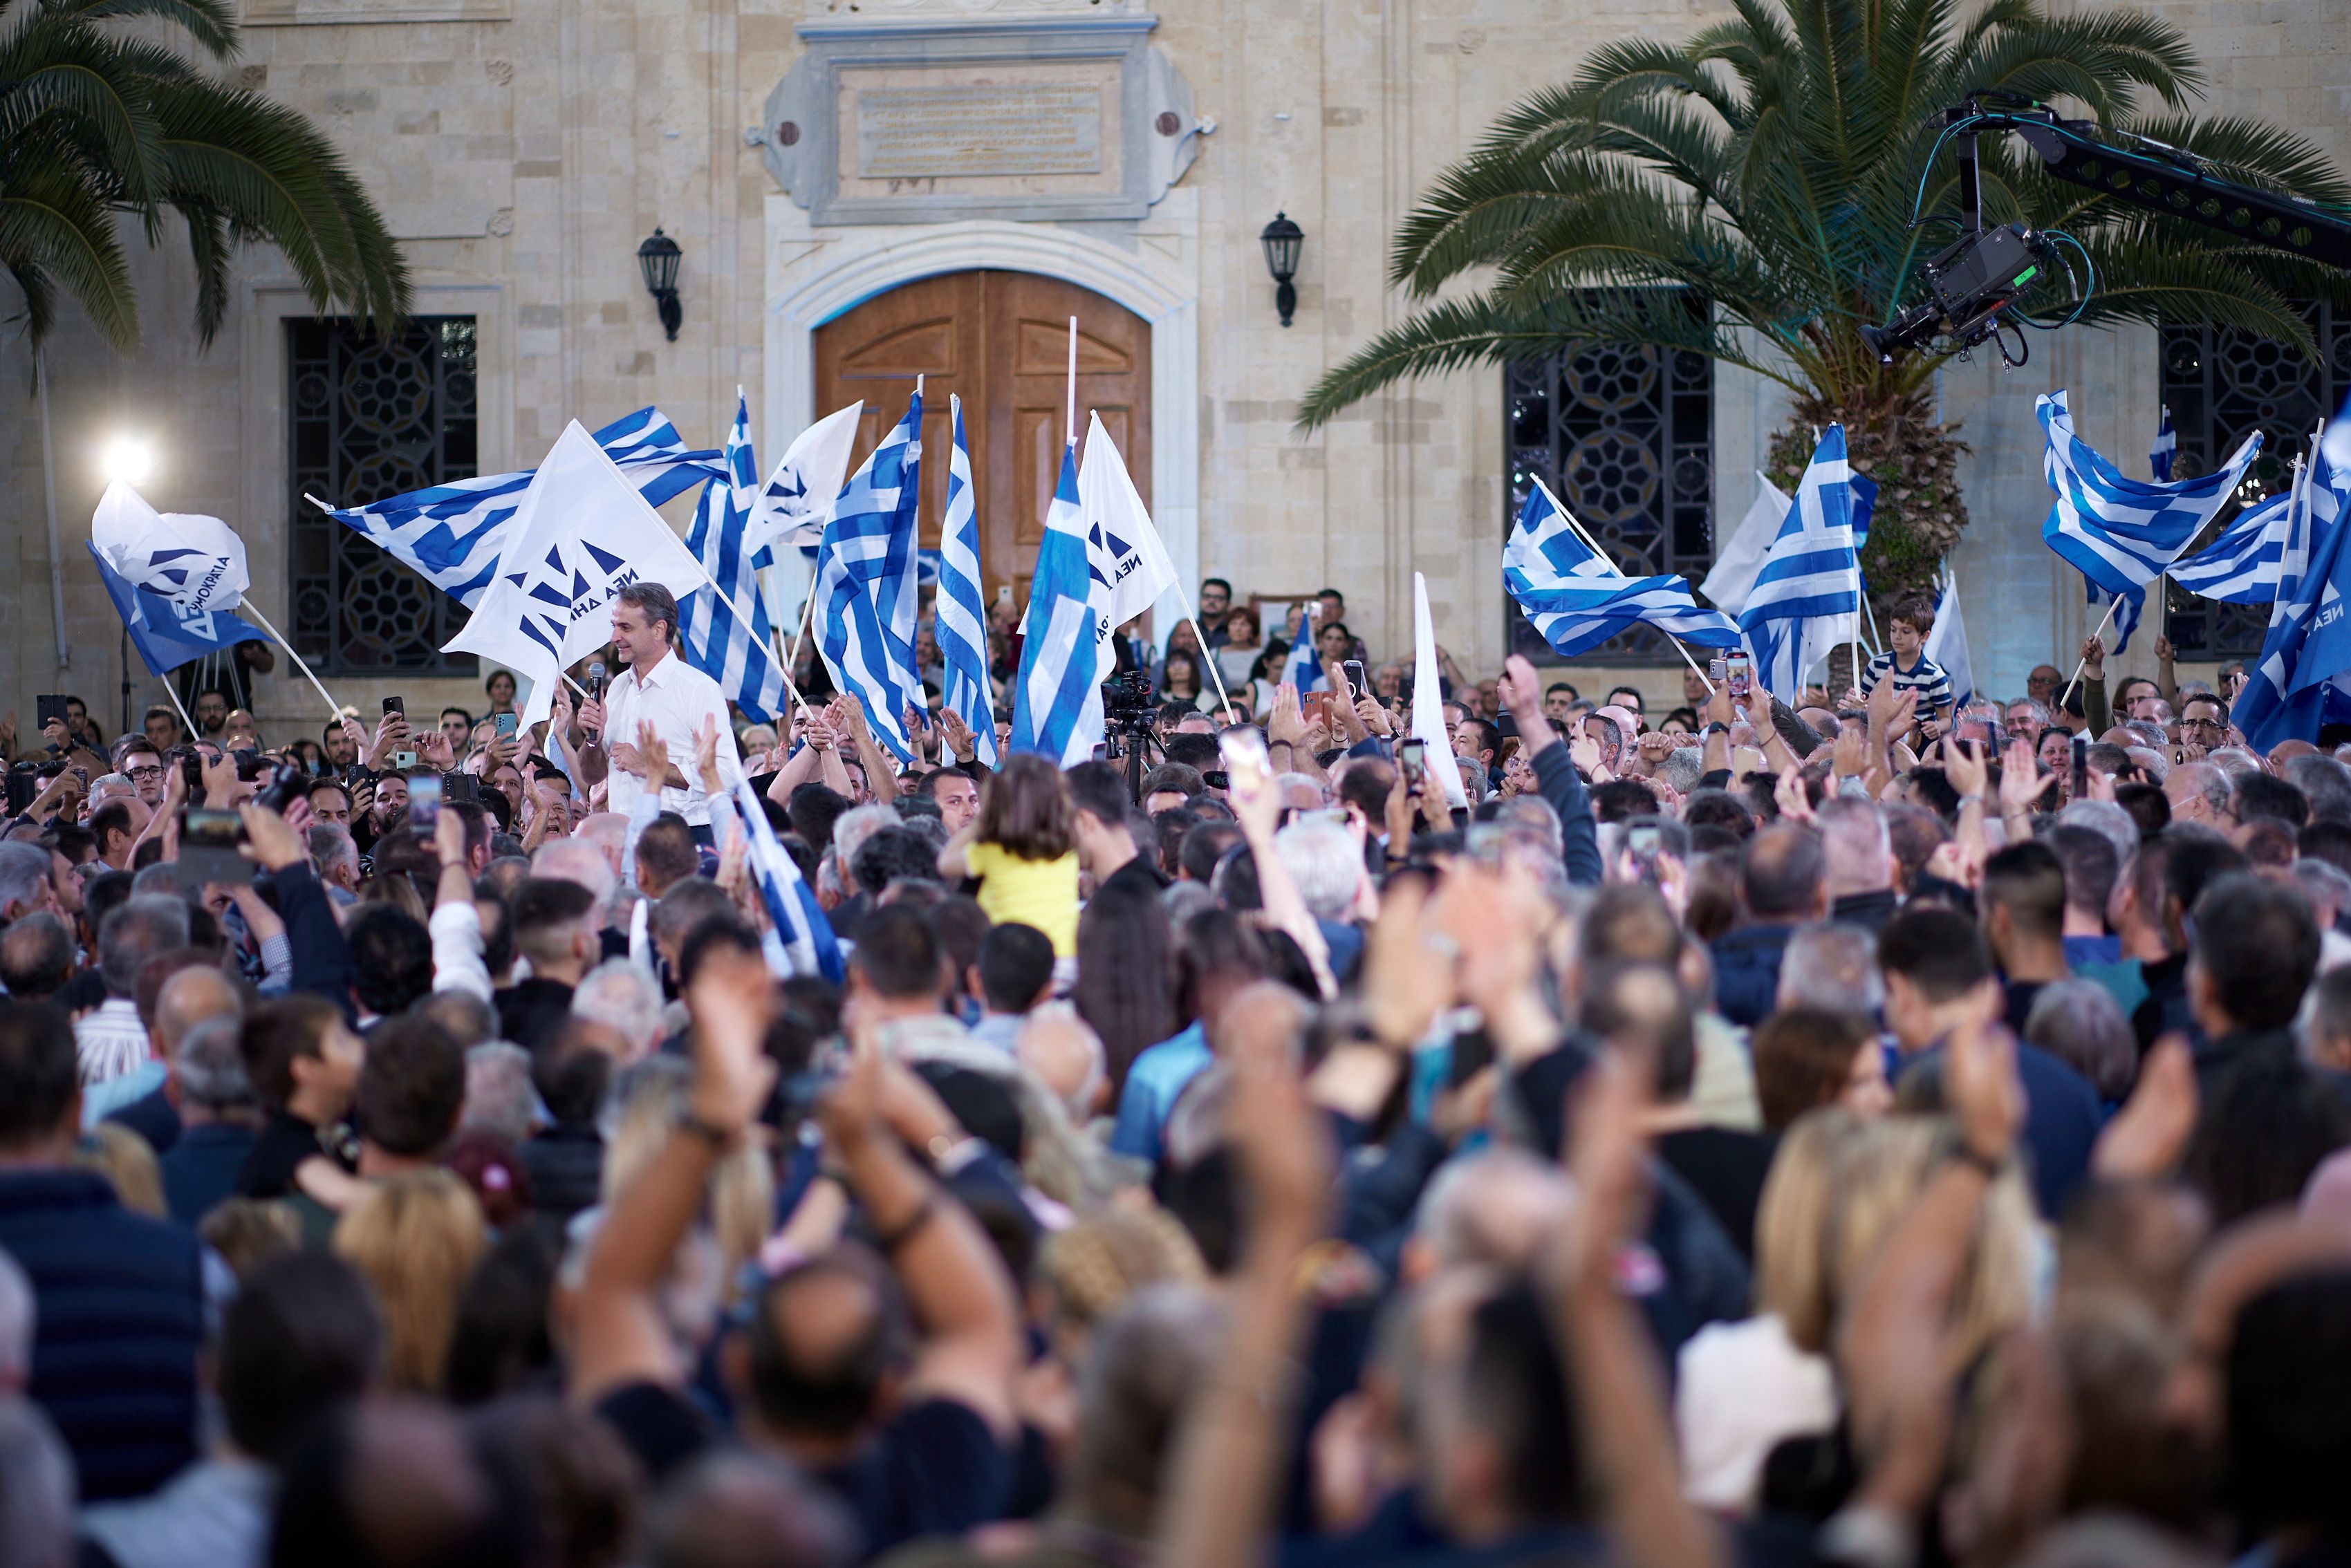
(278, 1031)
(1514, 1389)
(2090, 864)
(897, 953)
(838, 1396)
(2289, 1410)
(412, 1086)
(1100, 791)
(146, 924)
(894, 854)
(1644, 1001)
(570, 1075)
(1211, 945)
(1016, 963)
(491, 680)
(958, 922)
(1173, 779)
(927, 787)
(2325, 840)
(1779, 872)
(543, 908)
(667, 851)
(1916, 609)
(461, 712)
(2149, 807)
(1127, 983)
(1198, 753)
(1937, 950)
(1202, 846)
(1717, 809)
(114, 817)
(40, 1071)
(2257, 943)
(1026, 812)
(2260, 795)
(1622, 799)
(301, 1337)
(499, 1344)
(726, 929)
(391, 958)
(1365, 785)
(1627, 921)
(37, 956)
(2270, 1120)
(656, 604)
(2196, 856)
(2027, 880)
(1490, 738)
(1804, 1060)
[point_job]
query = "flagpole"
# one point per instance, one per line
(1603, 555)
(1072, 421)
(168, 691)
(2112, 604)
(333, 707)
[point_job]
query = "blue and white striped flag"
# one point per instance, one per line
(2244, 564)
(451, 534)
(1056, 707)
(2166, 447)
(2303, 677)
(801, 942)
(2122, 533)
(1947, 643)
(1809, 592)
(1578, 599)
(961, 607)
(714, 636)
(865, 584)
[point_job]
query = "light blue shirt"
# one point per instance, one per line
(1153, 1084)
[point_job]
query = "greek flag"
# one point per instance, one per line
(1578, 599)
(2166, 447)
(801, 941)
(1806, 598)
(2304, 678)
(1057, 707)
(2244, 564)
(961, 610)
(2121, 533)
(451, 534)
(865, 584)
(714, 639)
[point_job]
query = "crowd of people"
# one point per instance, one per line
(1882, 1130)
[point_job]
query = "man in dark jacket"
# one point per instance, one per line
(2256, 950)
(1780, 883)
(1555, 774)
(118, 1297)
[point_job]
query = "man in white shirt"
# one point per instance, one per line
(661, 689)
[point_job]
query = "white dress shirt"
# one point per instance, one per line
(675, 699)
(110, 1041)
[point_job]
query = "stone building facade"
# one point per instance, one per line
(522, 149)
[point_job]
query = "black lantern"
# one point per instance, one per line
(658, 258)
(1281, 240)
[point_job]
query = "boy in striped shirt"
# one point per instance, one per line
(1906, 661)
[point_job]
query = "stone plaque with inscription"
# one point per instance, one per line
(1072, 117)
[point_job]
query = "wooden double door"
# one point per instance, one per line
(999, 340)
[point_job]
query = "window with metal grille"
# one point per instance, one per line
(2221, 384)
(370, 417)
(1624, 434)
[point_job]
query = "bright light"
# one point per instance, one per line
(127, 460)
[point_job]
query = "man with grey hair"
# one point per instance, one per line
(623, 997)
(499, 1095)
(110, 1040)
(1832, 966)
(1300, 792)
(573, 861)
(2079, 1022)
(37, 956)
(194, 992)
(2107, 820)
(23, 880)
(2325, 782)
(1493, 1209)
(337, 855)
(220, 1120)
(2198, 792)
(1857, 854)
(1322, 860)
(1682, 768)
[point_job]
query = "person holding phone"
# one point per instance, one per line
(1556, 779)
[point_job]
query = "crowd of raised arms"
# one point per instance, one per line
(1881, 1131)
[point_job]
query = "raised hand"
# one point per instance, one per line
(2094, 659)
(1795, 803)
(2147, 1136)
(2021, 787)
(705, 754)
(732, 1000)
(958, 735)
(1964, 765)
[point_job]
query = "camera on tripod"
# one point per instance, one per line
(1127, 705)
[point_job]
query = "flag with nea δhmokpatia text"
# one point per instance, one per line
(581, 533)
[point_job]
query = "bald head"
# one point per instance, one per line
(187, 999)
(609, 831)
(736, 1509)
(1858, 853)
(1780, 874)
(576, 860)
(2198, 792)
(1494, 1209)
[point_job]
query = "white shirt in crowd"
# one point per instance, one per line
(676, 698)
(110, 1040)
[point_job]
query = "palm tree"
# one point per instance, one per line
(99, 124)
(1787, 168)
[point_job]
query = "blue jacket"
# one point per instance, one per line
(122, 1313)
(1747, 971)
(1561, 785)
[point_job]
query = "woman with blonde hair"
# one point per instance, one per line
(415, 1238)
(1839, 1184)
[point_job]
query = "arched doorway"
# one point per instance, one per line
(1001, 341)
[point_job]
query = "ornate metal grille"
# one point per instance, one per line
(2221, 383)
(1624, 434)
(369, 418)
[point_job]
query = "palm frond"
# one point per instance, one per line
(53, 226)
(212, 23)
